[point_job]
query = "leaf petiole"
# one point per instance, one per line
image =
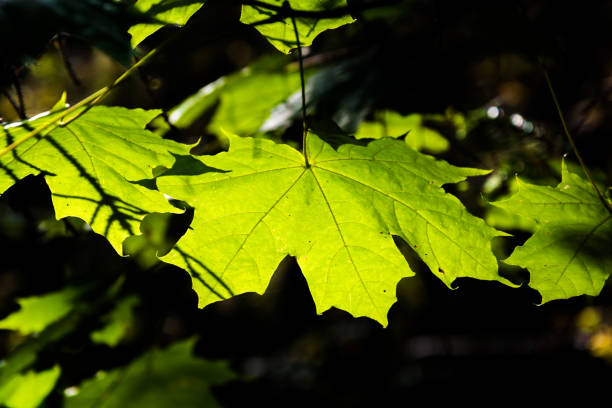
(571, 140)
(301, 62)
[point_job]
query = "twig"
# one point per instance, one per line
(13, 103)
(61, 46)
(86, 102)
(147, 84)
(571, 140)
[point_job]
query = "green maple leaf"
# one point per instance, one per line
(91, 165)
(176, 12)
(569, 254)
(281, 33)
(38, 312)
(28, 390)
(337, 216)
(160, 378)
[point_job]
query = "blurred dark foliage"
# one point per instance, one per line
(411, 56)
(26, 27)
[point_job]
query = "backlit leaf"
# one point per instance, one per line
(281, 33)
(91, 165)
(176, 12)
(336, 216)
(569, 254)
(391, 124)
(245, 99)
(28, 390)
(37, 312)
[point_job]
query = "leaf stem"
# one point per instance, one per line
(571, 139)
(302, 82)
(87, 101)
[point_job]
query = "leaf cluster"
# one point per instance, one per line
(317, 150)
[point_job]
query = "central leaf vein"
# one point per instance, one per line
(342, 238)
(259, 221)
(581, 245)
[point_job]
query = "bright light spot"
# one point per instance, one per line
(528, 127)
(517, 120)
(71, 391)
(493, 112)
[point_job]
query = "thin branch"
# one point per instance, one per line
(13, 103)
(20, 104)
(87, 102)
(147, 84)
(17, 86)
(61, 46)
(571, 140)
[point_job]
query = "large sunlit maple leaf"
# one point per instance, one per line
(260, 202)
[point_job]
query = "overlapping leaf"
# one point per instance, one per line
(569, 254)
(90, 166)
(118, 322)
(392, 124)
(337, 216)
(278, 28)
(160, 378)
(175, 12)
(244, 99)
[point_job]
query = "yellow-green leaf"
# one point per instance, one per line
(337, 216)
(92, 165)
(176, 12)
(37, 312)
(570, 252)
(392, 124)
(28, 390)
(281, 33)
(245, 99)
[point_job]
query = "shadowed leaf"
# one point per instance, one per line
(570, 252)
(171, 377)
